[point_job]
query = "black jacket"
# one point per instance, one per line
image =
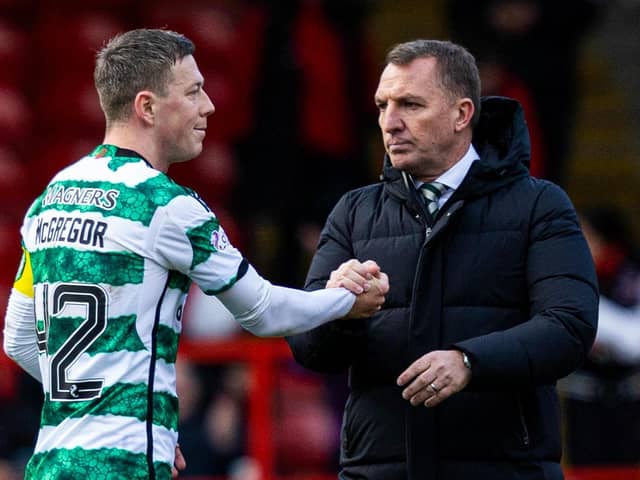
(504, 275)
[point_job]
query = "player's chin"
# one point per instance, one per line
(195, 150)
(188, 155)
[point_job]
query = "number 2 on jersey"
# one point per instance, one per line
(92, 300)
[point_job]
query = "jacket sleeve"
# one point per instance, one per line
(563, 302)
(331, 347)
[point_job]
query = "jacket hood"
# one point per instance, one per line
(501, 139)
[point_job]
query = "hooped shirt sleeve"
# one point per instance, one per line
(186, 236)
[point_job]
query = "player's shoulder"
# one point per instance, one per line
(113, 184)
(189, 206)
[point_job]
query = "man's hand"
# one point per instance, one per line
(354, 276)
(179, 463)
(366, 281)
(434, 377)
(370, 301)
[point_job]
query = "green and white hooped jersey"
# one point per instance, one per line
(113, 246)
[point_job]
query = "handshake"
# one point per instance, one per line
(366, 281)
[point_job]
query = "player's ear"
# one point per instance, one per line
(144, 106)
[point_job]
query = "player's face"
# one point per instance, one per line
(417, 119)
(182, 113)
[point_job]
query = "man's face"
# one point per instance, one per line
(418, 120)
(182, 114)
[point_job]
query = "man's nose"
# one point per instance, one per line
(390, 120)
(209, 107)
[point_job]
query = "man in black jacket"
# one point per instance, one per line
(493, 292)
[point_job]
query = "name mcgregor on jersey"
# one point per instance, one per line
(71, 230)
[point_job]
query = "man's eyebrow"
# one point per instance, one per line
(410, 97)
(399, 98)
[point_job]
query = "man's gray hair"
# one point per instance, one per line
(133, 61)
(456, 66)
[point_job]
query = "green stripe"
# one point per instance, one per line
(116, 162)
(60, 329)
(167, 344)
(63, 264)
(200, 238)
(226, 286)
(137, 204)
(120, 335)
(121, 399)
(95, 464)
(104, 150)
(179, 281)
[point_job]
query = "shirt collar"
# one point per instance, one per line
(453, 177)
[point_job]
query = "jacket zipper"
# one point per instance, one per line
(427, 236)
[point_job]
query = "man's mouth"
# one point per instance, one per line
(398, 146)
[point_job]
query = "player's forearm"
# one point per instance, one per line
(270, 310)
(19, 333)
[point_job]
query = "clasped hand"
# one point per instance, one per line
(367, 281)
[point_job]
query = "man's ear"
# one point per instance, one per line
(466, 110)
(144, 106)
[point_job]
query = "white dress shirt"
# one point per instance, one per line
(453, 177)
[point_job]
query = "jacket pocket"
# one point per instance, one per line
(489, 425)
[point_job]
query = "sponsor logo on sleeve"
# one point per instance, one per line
(219, 240)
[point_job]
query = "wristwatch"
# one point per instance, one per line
(466, 361)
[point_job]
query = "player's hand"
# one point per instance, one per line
(370, 301)
(434, 377)
(179, 463)
(354, 276)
